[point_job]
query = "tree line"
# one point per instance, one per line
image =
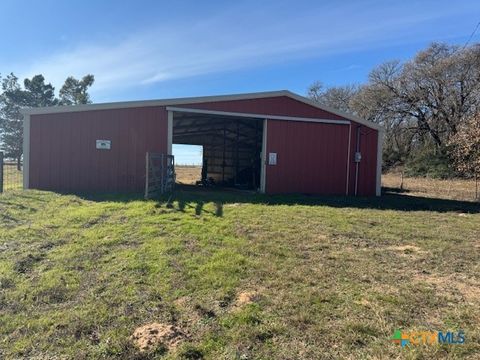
(428, 105)
(35, 92)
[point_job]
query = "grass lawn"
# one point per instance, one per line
(240, 276)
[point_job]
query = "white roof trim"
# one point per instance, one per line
(257, 116)
(333, 111)
(147, 103)
(194, 100)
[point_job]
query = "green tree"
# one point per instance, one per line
(12, 99)
(75, 92)
(39, 94)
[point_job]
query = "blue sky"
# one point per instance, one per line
(158, 49)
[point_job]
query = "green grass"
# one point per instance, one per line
(334, 277)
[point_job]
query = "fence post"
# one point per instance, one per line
(1, 171)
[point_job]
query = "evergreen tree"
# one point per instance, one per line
(75, 92)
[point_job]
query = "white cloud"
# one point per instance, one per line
(224, 42)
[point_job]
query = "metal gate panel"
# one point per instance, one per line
(160, 174)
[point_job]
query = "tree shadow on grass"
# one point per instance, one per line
(197, 205)
(196, 197)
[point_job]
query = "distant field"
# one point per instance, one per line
(188, 174)
(233, 275)
(457, 189)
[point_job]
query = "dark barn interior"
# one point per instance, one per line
(231, 147)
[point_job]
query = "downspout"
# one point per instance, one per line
(348, 158)
(357, 159)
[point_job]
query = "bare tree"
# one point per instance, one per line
(338, 97)
(421, 102)
(438, 90)
(466, 149)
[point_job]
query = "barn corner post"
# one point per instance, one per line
(169, 132)
(380, 135)
(263, 167)
(26, 150)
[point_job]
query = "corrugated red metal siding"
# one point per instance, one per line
(285, 106)
(63, 155)
(311, 157)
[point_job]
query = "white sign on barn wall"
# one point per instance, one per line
(104, 144)
(272, 159)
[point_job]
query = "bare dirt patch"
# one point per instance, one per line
(150, 336)
(245, 298)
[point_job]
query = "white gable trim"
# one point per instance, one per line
(310, 102)
(257, 116)
(149, 103)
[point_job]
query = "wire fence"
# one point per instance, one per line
(11, 175)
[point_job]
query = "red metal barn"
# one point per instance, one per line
(273, 142)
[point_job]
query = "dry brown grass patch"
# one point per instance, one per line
(456, 286)
(407, 250)
(188, 175)
(455, 189)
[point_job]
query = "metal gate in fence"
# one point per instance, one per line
(160, 174)
(11, 174)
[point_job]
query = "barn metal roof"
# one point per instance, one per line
(196, 100)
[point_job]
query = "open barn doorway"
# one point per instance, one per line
(231, 147)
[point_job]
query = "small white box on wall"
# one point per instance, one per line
(358, 157)
(104, 144)
(272, 159)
